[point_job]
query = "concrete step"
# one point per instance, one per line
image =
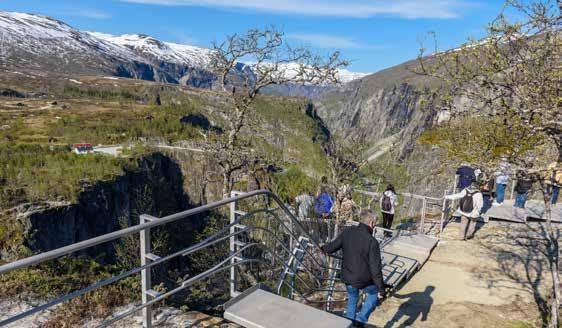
(397, 269)
(404, 255)
(257, 308)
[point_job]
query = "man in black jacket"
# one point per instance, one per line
(361, 268)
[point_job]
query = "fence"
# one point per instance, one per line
(278, 229)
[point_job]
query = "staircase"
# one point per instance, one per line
(267, 239)
(258, 308)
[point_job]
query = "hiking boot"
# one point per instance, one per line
(358, 324)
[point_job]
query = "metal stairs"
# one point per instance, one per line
(293, 267)
(264, 238)
(258, 308)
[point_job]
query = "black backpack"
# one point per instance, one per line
(467, 202)
(386, 203)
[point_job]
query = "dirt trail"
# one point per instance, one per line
(478, 283)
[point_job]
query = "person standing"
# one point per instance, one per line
(388, 203)
(466, 176)
(486, 186)
(305, 203)
(324, 202)
(345, 207)
(470, 207)
(525, 180)
(502, 178)
(323, 207)
(361, 267)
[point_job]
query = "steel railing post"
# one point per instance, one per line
(233, 287)
(444, 215)
(422, 223)
(146, 281)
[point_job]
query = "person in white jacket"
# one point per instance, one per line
(470, 207)
(388, 203)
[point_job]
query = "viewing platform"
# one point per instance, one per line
(534, 210)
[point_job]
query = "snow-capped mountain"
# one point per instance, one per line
(37, 42)
(149, 47)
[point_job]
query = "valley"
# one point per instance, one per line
(179, 133)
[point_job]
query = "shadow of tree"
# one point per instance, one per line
(521, 252)
(418, 304)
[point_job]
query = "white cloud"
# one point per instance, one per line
(88, 13)
(330, 41)
(336, 8)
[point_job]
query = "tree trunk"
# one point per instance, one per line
(553, 258)
(226, 183)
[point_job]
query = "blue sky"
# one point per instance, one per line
(372, 34)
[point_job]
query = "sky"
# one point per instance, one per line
(371, 34)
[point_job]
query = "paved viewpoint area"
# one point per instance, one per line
(485, 282)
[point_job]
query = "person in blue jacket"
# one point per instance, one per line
(466, 176)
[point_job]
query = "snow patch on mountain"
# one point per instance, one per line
(41, 35)
(156, 49)
(29, 38)
(347, 76)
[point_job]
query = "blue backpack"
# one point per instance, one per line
(323, 204)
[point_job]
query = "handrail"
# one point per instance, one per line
(405, 194)
(69, 249)
(191, 249)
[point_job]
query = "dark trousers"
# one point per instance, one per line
(387, 220)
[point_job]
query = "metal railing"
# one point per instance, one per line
(231, 232)
(443, 205)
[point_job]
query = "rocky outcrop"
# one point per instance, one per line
(155, 187)
(372, 111)
(388, 111)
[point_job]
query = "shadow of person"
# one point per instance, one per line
(418, 304)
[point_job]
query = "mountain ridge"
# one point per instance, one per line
(44, 43)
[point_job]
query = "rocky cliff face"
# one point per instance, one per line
(384, 107)
(156, 188)
(389, 110)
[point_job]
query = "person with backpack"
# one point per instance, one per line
(502, 178)
(525, 181)
(361, 267)
(345, 208)
(486, 186)
(388, 203)
(324, 202)
(466, 176)
(470, 206)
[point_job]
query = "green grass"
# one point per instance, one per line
(109, 127)
(65, 275)
(33, 172)
(286, 120)
(292, 182)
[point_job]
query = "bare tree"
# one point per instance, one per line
(345, 159)
(247, 64)
(514, 75)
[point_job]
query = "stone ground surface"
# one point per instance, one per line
(482, 282)
(164, 318)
